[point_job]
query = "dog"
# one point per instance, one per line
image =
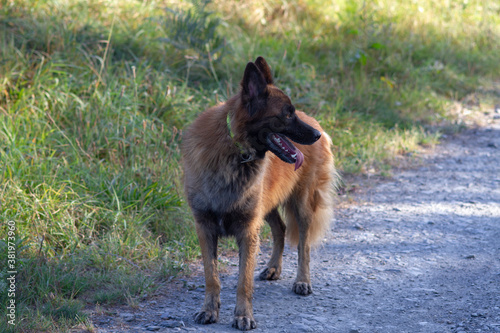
(240, 167)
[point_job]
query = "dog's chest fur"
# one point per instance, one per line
(226, 198)
(230, 187)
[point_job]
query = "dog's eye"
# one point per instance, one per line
(288, 111)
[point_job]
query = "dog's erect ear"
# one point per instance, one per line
(254, 92)
(253, 83)
(264, 69)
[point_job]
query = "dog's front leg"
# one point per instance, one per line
(208, 243)
(273, 270)
(248, 242)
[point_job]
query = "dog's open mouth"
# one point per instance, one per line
(285, 150)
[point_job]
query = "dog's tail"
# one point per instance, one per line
(316, 206)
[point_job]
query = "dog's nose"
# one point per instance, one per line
(317, 135)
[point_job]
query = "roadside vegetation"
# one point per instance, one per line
(94, 96)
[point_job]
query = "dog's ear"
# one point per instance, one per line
(254, 89)
(264, 69)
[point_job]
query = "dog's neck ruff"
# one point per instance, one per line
(245, 156)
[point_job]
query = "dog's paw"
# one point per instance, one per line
(244, 323)
(270, 273)
(302, 288)
(206, 317)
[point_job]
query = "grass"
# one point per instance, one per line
(94, 96)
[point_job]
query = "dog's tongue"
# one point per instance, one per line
(299, 159)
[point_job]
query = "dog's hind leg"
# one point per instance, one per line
(299, 217)
(248, 243)
(208, 243)
(273, 270)
(302, 284)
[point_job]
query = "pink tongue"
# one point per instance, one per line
(299, 159)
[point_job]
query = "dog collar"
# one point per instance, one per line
(245, 157)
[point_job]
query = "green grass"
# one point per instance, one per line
(94, 96)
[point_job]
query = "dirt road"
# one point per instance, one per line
(419, 253)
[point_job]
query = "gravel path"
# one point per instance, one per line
(420, 253)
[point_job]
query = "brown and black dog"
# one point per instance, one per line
(239, 168)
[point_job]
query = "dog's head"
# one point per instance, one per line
(270, 118)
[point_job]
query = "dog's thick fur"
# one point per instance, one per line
(236, 176)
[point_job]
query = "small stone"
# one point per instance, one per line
(308, 323)
(475, 314)
(470, 256)
(153, 328)
(125, 314)
(166, 316)
(171, 323)
(492, 145)
(320, 319)
(396, 209)
(353, 331)
(301, 328)
(128, 317)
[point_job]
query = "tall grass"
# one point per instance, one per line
(94, 96)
